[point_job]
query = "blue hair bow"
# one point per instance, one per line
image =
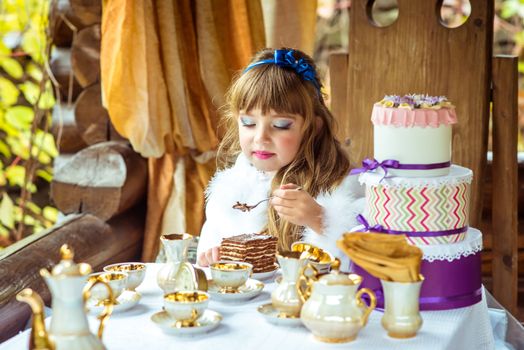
(286, 59)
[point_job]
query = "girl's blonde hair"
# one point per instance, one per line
(320, 164)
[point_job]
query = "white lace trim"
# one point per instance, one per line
(457, 175)
(471, 244)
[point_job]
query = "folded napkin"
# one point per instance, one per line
(385, 256)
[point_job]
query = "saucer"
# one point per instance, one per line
(125, 301)
(208, 321)
(271, 315)
(265, 275)
(249, 290)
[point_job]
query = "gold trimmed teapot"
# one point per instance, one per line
(69, 328)
(333, 309)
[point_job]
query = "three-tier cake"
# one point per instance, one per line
(413, 189)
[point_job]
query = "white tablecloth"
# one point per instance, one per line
(243, 327)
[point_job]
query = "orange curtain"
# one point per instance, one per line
(165, 66)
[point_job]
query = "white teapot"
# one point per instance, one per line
(69, 328)
(333, 309)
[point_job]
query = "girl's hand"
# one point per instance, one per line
(208, 257)
(298, 207)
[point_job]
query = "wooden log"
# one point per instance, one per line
(504, 202)
(64, 23)
(65, 131)
(92, 118)
(85, 55)
(93, 241)
(89, 12)
(61, 68)
(104, 180)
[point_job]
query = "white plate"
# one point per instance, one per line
(207, 322)
(271, 315)
(265, 275)
(125, 301)
(251, 289)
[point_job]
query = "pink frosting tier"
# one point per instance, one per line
(405, 117)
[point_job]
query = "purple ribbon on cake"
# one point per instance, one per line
(373, 164)
(379, 228)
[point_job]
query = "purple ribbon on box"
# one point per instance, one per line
(379, 228)
(447, 284)
(373, 164)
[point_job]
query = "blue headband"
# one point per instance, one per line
(285, 59)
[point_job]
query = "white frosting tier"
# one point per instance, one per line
(457, 175)
(413, 145)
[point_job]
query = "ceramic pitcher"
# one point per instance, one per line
(333, 309)
(401, 312)
(177, 273)
(285, 297)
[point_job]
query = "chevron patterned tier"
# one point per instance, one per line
(420, 205)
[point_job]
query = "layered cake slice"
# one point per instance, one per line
(257, 249)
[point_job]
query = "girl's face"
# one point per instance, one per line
(269, 141)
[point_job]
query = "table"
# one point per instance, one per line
(243, 327)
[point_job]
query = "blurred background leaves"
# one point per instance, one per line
(27, 148)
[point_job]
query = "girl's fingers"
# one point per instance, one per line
(289, 186)
(209, 256)
(202, 261)
(215, 253)
(277, 201)
(288, 194)
(284, 211)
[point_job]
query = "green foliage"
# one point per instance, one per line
(27, 149)
(509, 40)
(512, 13)
(512, 8)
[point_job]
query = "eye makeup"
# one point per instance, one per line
(282, 123)
(247, 121)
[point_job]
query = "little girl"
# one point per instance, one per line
(279, 141)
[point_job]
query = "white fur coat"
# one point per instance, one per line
(244, 183)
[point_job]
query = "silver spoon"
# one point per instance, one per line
(245, 207)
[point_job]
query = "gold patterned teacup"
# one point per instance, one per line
(136, 272)
(116, 280)
(230, 275)
(185, 307)
(319, 258)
